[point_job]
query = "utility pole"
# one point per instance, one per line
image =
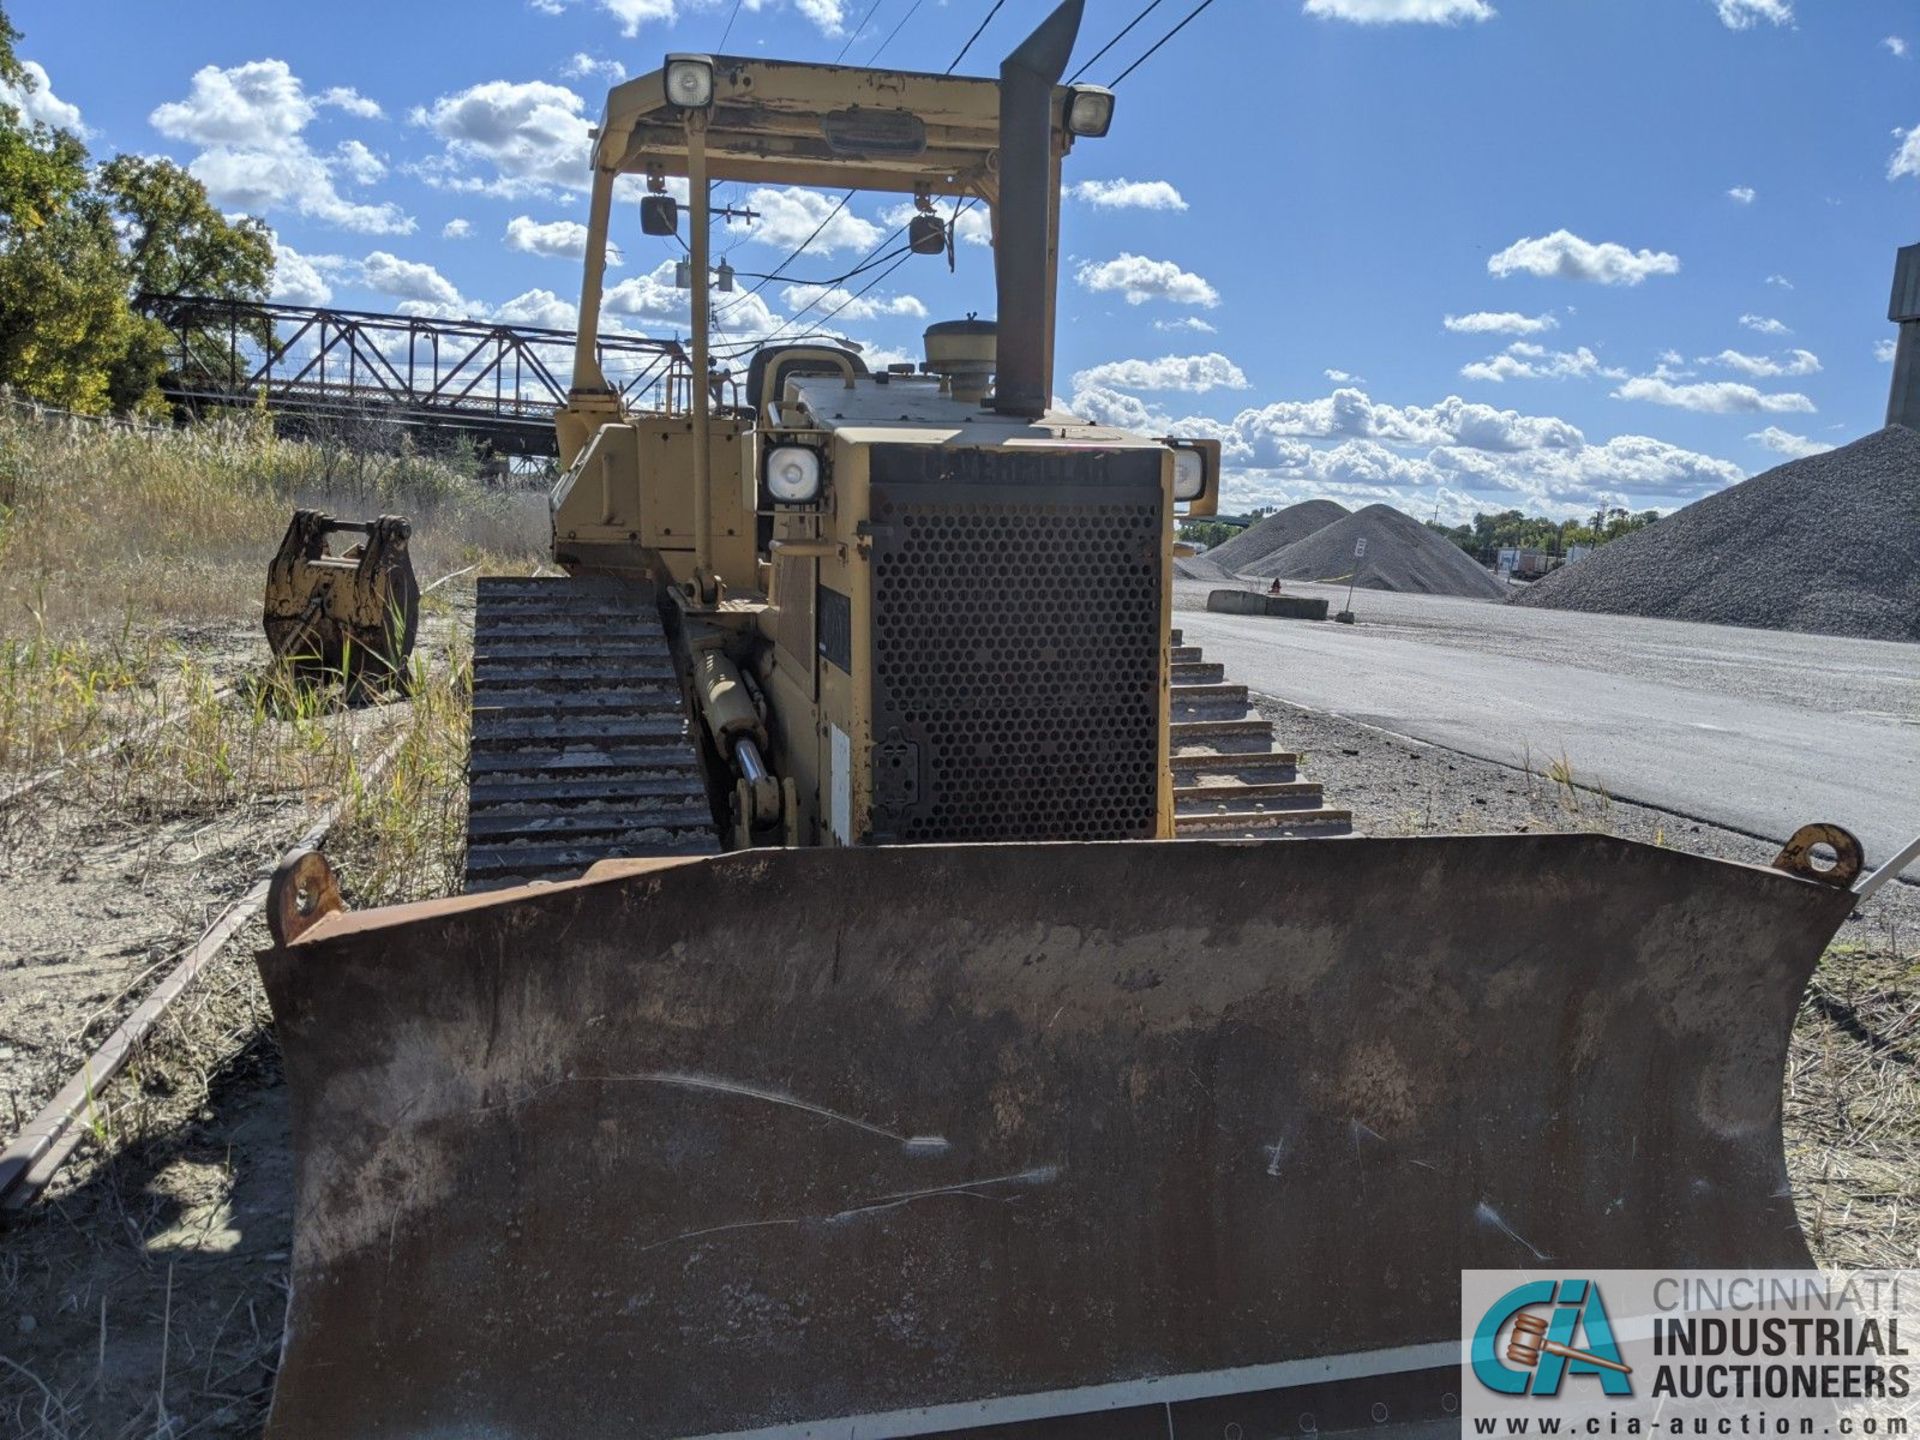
(1903, 400)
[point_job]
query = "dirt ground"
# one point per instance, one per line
(143, 1295)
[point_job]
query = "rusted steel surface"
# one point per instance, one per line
(1801, 855)
(733, 1144)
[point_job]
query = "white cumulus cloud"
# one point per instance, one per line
(1741, 194)
(302, 279)
(553, 239)
(533, 135)
(582, 66)
(248, 104)
(1352, 414)
(843, 304)
(456, 229)
(1500, 322)
(1765, 367)
(351, 101)
(1794, 447)
(1883, 351)
(1565, 256)
(249, 120)
(1129, 194)
(539, 307)
(1140, 279)
(1712, 397)
(1764, 325)
(1192, 374)
(1129, 412)
(1186, 322)
(789, 214)
(37, 102)
(361, 165)
(1401, 12)
(1744, 14)
(1523, 360)
(1896, 46)
(414, 284)
(1906, 159)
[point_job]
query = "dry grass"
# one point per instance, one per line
(131, 564)
(165, 1240)
(1852, 1105)
(129, 556)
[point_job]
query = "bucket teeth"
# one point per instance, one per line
(581, 750)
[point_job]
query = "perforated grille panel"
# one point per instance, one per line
(1016, 645)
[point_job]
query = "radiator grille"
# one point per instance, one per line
(1017, 646)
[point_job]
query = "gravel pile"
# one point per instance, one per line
(1264, 537)
(1402, 554)
(1829, 545)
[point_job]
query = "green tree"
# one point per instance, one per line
(178, 243)
(75, 247)
(1210, 533)
(1502, 529)
(64, 318)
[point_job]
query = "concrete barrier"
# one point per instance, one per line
(1251, 602)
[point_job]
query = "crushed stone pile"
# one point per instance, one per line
(1829, 545)
(1402, 554)
(1272, 533)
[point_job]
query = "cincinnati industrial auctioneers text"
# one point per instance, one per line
(1769, 1356)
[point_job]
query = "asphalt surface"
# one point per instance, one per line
(1760, 731)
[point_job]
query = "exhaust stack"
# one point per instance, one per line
(1025, 212)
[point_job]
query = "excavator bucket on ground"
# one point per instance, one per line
(351, 616)
(1072, 1140)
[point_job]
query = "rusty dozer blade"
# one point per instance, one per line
(348, 616)
(907, 1141)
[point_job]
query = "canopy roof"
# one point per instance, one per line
(783, 123)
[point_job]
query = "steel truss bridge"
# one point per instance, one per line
(362, 373)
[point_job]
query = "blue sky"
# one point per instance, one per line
(1663, 229)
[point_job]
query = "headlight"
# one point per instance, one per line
(1090, 111)
(690, 81)
(1189, 474)
(793, 475)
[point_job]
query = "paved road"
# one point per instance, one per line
(1754, 730)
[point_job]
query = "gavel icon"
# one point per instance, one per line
(1529, 1342)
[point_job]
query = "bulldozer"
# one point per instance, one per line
(901, 988)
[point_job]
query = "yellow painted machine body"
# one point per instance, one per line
(946, 521)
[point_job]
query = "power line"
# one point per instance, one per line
(795, 253)
(895, 31)
(978, 32)
(866, 263)
(729, 30)
(854, 273)
(1072, 79)
(1158, 43)
(857, 29)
